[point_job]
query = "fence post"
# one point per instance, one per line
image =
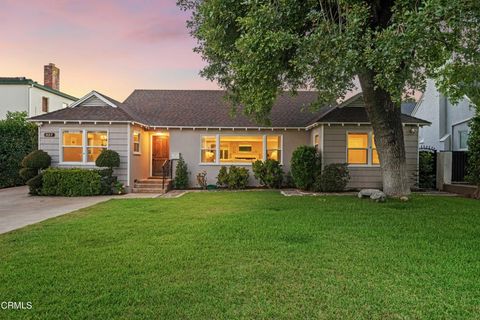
(444, 169)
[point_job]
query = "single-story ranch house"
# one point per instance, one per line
(152, 127)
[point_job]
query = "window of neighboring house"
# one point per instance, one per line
(316, 141)
(361, 149)
(463, 137)
(82, 146)
(44, 104)
(240, 149)
(136, 142)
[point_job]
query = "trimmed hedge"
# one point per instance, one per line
(108, 159)
(234, 178)
(37, 159)
(71, 182)
(269, 173)
(334, 178)
(17, 138)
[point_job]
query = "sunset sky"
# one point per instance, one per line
(112, 46)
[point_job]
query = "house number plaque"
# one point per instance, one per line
(49, 134)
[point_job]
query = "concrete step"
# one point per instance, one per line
(151, 185)
(462, 189)
(153, 181)
(149, 190)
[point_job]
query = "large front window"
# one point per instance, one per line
(230, 149)
(361, 149)
(83, 146)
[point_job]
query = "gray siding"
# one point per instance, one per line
(140, 163)
(187, 142)
(117, 140)
(335, 151)
(94, 102)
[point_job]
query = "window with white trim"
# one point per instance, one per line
(136, 142)
(361, 149)
(235, 149)
(316, 141)
(83, 146)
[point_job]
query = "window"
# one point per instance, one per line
(241, 149)
(136, 142)
(274, 148)
(72, 146)
(316, 141)
(83, 146)
(44, 104)
(361, 149)
(229, 149)
(463, 136)
(209, 149)
(96, 142)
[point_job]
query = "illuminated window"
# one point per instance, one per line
(375, 159)
(72, 146)
(361, 149)
(274, 148)
(240, 149)
(136, 142)
(96, 142)
(83, 146)
(209, 149)
(316, 141)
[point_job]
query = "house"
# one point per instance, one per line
(152, 128)
(22, 94)
(449, 123)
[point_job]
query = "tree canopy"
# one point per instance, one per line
(255, 49)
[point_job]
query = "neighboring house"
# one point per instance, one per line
(22, 94)
(152, 127)
(449, 129)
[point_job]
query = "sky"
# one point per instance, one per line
(112, 46)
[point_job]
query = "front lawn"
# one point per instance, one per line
(249, 255)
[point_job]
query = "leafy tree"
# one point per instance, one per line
(17, 139)
(256, 49)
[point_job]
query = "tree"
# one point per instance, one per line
(473, 174)
(256, 49)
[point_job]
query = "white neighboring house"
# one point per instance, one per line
(22, 94)
(449, 129)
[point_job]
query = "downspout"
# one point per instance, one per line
(30, 101)
(128, 155)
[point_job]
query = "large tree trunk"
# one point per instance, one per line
(385, 118)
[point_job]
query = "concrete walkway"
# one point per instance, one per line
(19, 209)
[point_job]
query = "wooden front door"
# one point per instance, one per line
(160, 153)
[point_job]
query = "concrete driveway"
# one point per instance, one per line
(18, 208)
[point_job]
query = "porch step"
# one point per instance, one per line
(152, 185)
(462, 189)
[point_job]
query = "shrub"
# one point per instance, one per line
(305, 166)
(334, 178)
(233, 178)
(269, 173)
(473, 171)
(107, 181)
(288, 181)
(222, 178)
(18, 137)
(181, 174)
(37, 159)
(108, 159)
(426, 173)
(35, 184)
(28, 173)
(202, 179)
(237, 178)
(71, 182)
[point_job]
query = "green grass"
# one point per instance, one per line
(249, 255)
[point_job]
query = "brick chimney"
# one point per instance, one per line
(51, 76)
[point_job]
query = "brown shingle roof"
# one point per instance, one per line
(208, 108)
(358, 114)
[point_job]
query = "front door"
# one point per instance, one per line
(160, 152)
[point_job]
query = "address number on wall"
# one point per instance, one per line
(49, 134)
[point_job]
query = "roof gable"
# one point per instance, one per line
(95, 99)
